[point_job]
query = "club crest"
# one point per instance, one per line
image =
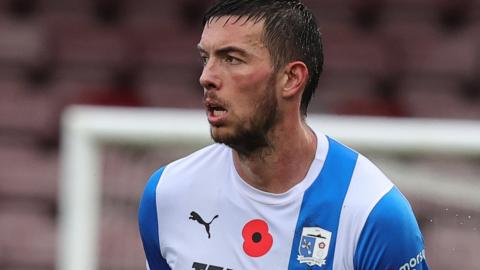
(313, 246)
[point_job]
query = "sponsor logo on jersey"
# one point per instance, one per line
(413, 262)
(202, 266)
(313, 246)
(196, 217)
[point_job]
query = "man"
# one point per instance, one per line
(271, 193)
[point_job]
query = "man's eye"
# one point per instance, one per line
(204, 60)
(232, 60)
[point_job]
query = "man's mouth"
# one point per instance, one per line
(216, 113)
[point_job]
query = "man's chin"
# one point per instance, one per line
(219, 134)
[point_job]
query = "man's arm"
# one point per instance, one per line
(391, 238)
(148, 224)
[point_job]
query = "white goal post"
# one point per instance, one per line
(86, 128)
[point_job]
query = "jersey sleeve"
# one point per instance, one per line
(148, 224)
(391, 238)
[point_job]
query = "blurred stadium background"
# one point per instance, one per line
(393, 58)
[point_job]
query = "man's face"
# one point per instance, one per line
(239, 83)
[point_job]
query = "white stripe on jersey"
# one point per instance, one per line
(367, 187)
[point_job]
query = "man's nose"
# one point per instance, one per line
(210, 79)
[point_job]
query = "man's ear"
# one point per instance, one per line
(295, 77)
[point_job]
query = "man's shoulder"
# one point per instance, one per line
(372, 209)
(379, 248)
(199, 158)
(199, 164)
(373, 199)
(368, 185)
(199, 154)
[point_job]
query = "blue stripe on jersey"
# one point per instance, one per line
(148, 223)
(390, 238)
(322, 202)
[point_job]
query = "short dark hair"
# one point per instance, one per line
(290, 34)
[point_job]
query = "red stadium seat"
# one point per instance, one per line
(21, 43)
(90, 46)
(351, 51)
(21, 110)
(438, 98)
(28, 173)
(334, 90)
(27, 236)
(167, 88)
(429, 50)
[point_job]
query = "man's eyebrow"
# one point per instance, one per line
(231, 49)
(225, 50)
(200, 49)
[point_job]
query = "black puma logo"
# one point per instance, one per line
(199, 219)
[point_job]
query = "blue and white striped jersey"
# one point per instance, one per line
(197, 213)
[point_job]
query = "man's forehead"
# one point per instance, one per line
(233, 29)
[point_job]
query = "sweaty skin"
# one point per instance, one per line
(239, 80)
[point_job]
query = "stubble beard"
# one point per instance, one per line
(252, 137)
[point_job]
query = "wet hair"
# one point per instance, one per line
(290, 34)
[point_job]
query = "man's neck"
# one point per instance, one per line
(284, 164)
